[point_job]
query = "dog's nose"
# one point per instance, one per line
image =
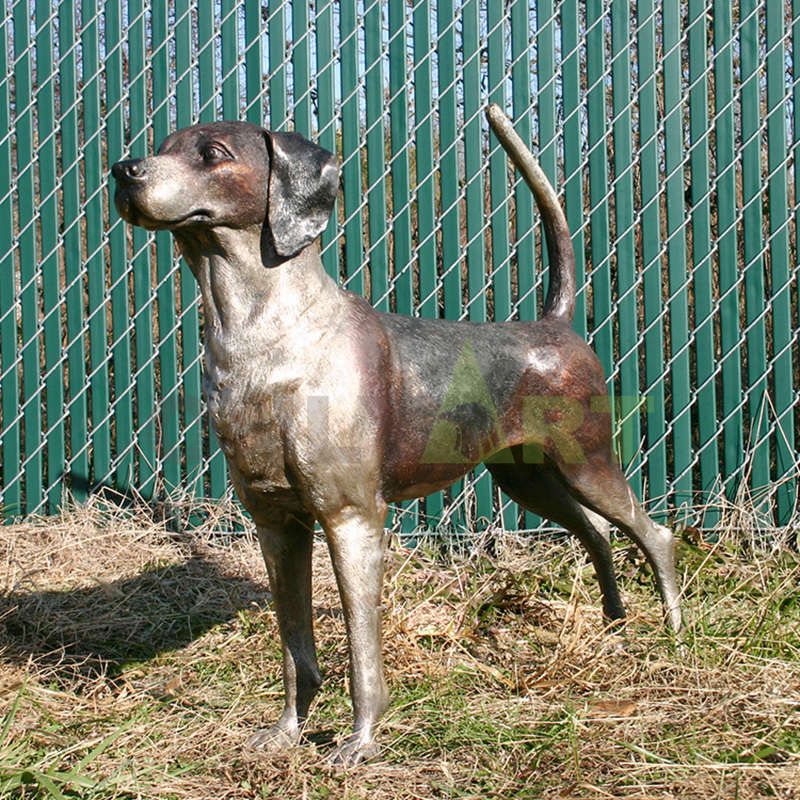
(130, 170)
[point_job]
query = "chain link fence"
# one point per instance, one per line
(670, 130)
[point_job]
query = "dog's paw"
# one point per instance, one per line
(352, 751)
(273, 739)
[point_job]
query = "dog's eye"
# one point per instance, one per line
(212, 153)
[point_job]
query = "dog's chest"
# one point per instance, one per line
(247, 410)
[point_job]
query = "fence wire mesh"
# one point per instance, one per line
(670, 130)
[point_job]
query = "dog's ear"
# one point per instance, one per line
(303, 183)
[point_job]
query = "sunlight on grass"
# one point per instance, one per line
(135, 661)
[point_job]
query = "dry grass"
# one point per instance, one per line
(134, 662)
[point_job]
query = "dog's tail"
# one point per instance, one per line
(560, 300)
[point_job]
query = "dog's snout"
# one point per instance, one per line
(130, 170)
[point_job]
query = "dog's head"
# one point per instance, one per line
(234, 175)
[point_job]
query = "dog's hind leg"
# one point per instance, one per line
(599, 483)
(537, 488)
(287, 546)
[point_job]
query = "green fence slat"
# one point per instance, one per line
(703, 282)
(547, 140)
(448, 159)
(47, 230)
(651, 254)
(597, 117)
(724, 133)
(498, 170)
(206, 60)
(573, 148)
(169, 393)
(474, 206)
(327, 124)
(351, 147)
(400, 164)
(599, 223)
(447, 172)
(780, 272)
(549, 132)
(795, 82)
(146, 413)
(206, 21)
(193, 421)
(627, 266)
(524, 219)
(301, 69)
(123, 439)
(278, 81)
(400, 169)
(10, 452)
(229, 34)
(473, 144)
(376, 138)
(376, 163)
(524, 242)
(423, 139)
(500, 231)
(473, 164)
(253, 62)
(425, 190)
(95, 266)
(678, 307)
(28, 268)
(77, 407)
(754, 290)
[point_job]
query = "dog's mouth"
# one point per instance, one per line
(131, 212)
(199, 216)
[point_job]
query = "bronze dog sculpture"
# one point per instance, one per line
(327, 410)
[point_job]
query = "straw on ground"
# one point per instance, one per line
(134, 662)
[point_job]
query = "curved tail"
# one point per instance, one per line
(560, 300)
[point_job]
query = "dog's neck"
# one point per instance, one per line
(242, 281)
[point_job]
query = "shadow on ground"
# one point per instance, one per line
(101, 629)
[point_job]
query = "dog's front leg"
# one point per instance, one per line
(286, 546)
(357, 544)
